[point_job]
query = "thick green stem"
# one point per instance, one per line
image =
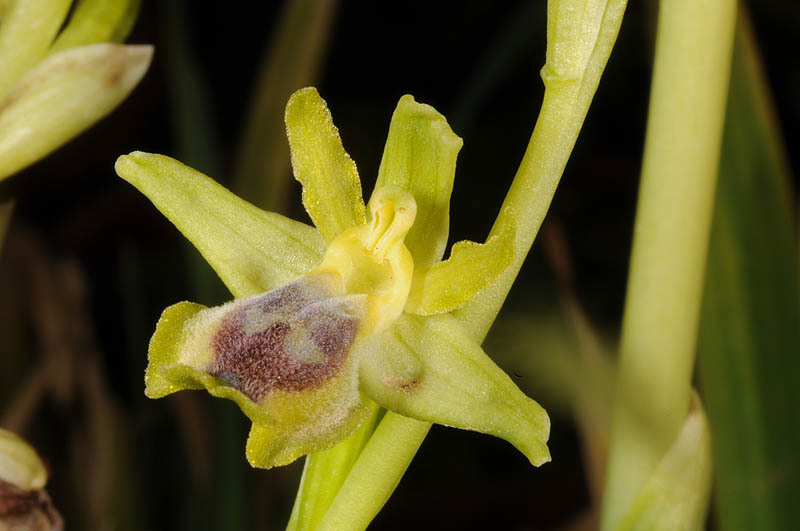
(659, 332)
(376, 474)
(581, 35)
(323, 475)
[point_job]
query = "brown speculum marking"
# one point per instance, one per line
(293, 338)
(14, 500)
(27, 509)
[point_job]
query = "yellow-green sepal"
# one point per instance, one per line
(98, 21)
(63, 95)
(420, 156)
(331, 185)
(449, 285)
(676, 494)
(430, 369)
(26, 33)
(251, 250)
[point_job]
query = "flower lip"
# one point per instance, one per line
(293, 339)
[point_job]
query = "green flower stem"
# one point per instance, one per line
(581, 35)
(377, 472)
(571, 76)
(324, 472)
(690, 81)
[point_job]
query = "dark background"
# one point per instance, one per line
(135, 262)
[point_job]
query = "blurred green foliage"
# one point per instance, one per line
(750, 331)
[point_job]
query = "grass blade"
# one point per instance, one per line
(749, 336)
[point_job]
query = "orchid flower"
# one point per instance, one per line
(329, 321)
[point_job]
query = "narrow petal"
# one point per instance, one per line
(27, 30)
(252, 251)
(420, 156)
(429, 369)
(62, 96)
(98, 21)
(446, 286)
(331, 186)
(676, 495)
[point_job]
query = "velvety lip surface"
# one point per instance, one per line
(292, 339)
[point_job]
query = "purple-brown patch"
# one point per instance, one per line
(293, 338)
(27, 509)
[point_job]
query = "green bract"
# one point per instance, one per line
(358, 308)
(53, 84)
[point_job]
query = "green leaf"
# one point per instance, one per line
(749, 335)
(420, 156)
(62, 96)
(27, 30)
(331, 186)
(446, 286)
(676, 494)
(429, 369)
(252, 251)
(96, 21)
